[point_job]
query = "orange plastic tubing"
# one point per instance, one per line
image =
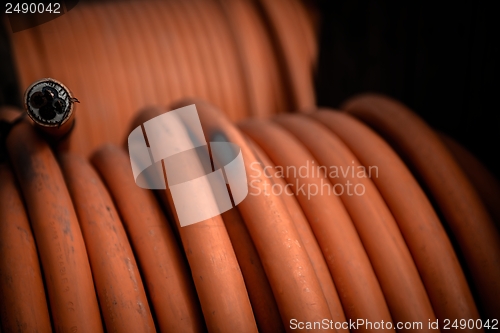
(166, 276)
(361, 295)
(217, 276)
(425, 236)
(295, 286)
(485, 183)
(307, 237)
(419, 145)
(261, 296)
(72, 298)
(118, 283)
(23, 306)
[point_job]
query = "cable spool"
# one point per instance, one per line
(121, 56)
(334, 233)
(274, 258)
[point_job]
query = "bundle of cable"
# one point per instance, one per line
(249, 58)
(358, 216)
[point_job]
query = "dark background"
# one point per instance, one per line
(9, 88)
(440, 60)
